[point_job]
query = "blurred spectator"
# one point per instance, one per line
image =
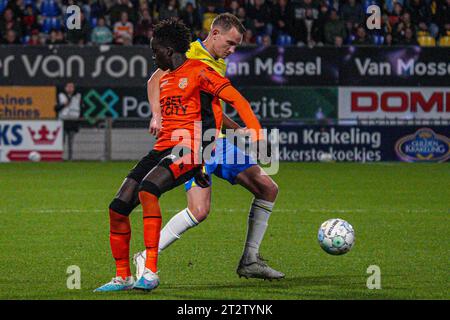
(283, 18)
(101, 34)
(352, 12)
(408, 38)
(322, 20)
(401, 26)
(334, 27)
(118, 8)
(11, 37)
(443, 13)
(446, 30)
(7, 23)
(208, 17)
(53, 38)
(248, 39)
(69, 110)
(123, 30)
(168, 10)
(361, 37)
(307, 33)
(80, 36)
(142, 28)
(338, 41)
(18, 8)
(260, 16)
(190, 17)
(396, 14)
(35, 39)
(419, 11)
(243, 17)
(29, 20)
(300, 7)
(388, 40)
(233, 7)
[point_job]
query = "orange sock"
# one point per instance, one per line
(152, 228)
(119, 239)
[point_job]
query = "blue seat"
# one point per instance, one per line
(3, 4)
(284, 40)
(368, 3)
(50, 8)
(93, 22)
(56, 23)
(259, 40)
(46, 25)
(378, 39)
(25, 39)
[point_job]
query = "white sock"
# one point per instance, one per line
(172, 231)
(257, 224)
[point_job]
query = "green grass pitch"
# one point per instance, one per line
(55, 215)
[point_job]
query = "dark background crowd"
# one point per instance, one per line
(282, 22)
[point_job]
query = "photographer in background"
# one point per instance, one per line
(68, 109)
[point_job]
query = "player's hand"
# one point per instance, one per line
(202, 179)
(155, 125)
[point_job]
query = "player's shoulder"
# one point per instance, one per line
(199, 66)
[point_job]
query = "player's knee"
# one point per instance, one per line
(199, 211)
(150, 187)
(269, 191)
(121, 207)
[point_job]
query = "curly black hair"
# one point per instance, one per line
(173, 33)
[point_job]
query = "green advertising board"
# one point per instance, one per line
(290, 103)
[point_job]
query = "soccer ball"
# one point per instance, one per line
(34, 156)
(325, 157)
(336, 236)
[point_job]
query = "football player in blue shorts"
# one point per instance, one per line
(225, 35)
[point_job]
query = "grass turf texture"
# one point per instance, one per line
(55, 216)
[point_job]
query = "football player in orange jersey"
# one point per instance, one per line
(225, 35)
(190, 94)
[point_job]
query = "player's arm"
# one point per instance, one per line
(153, 98)
(229, 123)
(230, 95)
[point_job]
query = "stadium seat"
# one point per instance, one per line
(3, 4)
(25, 39)
(46, 25)
(426, 41)
(259, 40)
(284, 40)
(50, 8)
(93, 22)
(56, 23)
(368, 3)
(444, 41)
(378, 39)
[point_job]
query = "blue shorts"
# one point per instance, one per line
(226, 162)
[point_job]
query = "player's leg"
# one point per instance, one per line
(239, 168)
(120, 208)
(265, 191)
(169, 173)
(199, 202)
(120, 235)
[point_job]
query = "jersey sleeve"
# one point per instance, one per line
(230, 95)
(212, 82)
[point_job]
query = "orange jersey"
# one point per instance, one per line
(188, 94)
